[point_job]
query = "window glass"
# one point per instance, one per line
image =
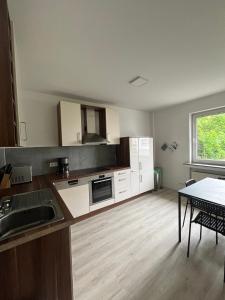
(209, 136)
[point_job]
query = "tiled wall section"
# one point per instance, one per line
(79, 157)
(2, 157)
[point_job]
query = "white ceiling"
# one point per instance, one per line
(92, 48)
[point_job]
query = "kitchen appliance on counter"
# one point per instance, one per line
(63, 165)
(21, 174)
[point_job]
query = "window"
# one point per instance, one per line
(208, 136)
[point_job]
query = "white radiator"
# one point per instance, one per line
(201, 175)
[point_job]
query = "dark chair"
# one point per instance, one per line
(187, 183)
(210, 216)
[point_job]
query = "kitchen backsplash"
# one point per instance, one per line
(79, 157)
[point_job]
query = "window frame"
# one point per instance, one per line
(193, 136)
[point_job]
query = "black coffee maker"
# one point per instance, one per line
(63, 165)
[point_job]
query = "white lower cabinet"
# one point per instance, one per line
(146, 181)
(76, 199)
(127, 183)
(134, 183)
(122, 185)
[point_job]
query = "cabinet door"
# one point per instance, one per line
(76, 199)
(146, 164)
(134, 183)
(145, 154)
(8, 111)
(112, 126)
(70, 123)
(134, 156)
(134, 164)
(146, 181)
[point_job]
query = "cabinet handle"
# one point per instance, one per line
(73, 182)
(123, 179)
(25, 130)
(140, 166)
(101, 180)
(122, 192)
(123, 173)
(140, 178)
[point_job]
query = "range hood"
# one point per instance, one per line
(93, 139)
(93, 125)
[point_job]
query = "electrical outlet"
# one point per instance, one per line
(53, 164)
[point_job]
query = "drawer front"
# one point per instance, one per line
(122, 195)
(122, 173)
(122, 182)
(122, 185)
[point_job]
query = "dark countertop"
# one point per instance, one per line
(84, 172)
(41, 182)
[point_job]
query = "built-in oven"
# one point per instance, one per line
(101, 188)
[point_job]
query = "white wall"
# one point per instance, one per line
(135, 122)
(39, 111)
(172, 124)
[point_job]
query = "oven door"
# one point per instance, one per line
(101, 189)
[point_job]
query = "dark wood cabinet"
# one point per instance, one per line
(8, 108)
(38, 270)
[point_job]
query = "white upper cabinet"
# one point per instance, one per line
(70, 124)
(112, 126)
(37, 119)
(38, 125)
(70, 132)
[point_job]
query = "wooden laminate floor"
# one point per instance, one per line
(131, 252)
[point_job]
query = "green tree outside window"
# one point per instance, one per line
(211, 137)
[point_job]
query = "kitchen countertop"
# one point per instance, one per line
(84, 172)
(41, 182)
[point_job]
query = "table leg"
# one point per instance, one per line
(179, 218)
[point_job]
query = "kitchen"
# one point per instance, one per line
(98, 132)
(69, 164)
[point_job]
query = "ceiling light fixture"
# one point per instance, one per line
(138, 81)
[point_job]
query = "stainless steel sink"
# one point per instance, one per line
(27, 210)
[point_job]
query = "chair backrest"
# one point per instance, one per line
(190, 182)
(208, 207)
